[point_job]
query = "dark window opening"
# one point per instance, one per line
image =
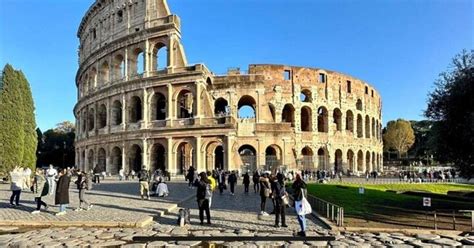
(366, 90)
(119, 16)
(349, 88)
(94, 33)
(372, 93)
(287, 75)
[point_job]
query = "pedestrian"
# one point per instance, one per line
(299, 187)
(62, 192)
(265, 192)
(121, 174)
(97, 174)
(190, 176)
(144, 178)
(16, 184)
(256, 182)
(83, 183)
(133, 174)
(279, 193)
(40, 189)
(232, 182)
(221, 180)
(246, 182)
(213, 185)
(51, 174)
(203, 195)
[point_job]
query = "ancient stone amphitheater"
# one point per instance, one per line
(141, 104)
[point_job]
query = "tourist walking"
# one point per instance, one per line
(203, 195)
(265, 192)
(232, 182)
(83, 183)
(143, 178)
(97, 174)
(190, 176)
(62, 192)
(121, 174)
(279, 193)
(16, 184)
(246, 182)
(221, 180)
(51, 174)
(40, 189)
(299, 187)
(213, 185)
(256, 182)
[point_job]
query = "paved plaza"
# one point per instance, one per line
(231, 216)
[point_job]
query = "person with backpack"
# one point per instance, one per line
(40, 189)
(246, 182)
(203, 195)
(279, 193)
(83, 183)
(143, 178)
(256, 181)
(232, 182)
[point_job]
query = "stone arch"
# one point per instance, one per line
(350, 121)
(360, 161)
(91, 119)
(101, 159)
(367, 126)
(115, 161)
(337, 118)
(359, 105)
(84, 162)
(158, 106)
(323, 159)
(374, 160)
(338, 161)
(185, 104)
(307, 158)
(219, 157)
(160, 57)
(373, 128)
(92, 79)
(360, 133)
(118, 67)
(221, 107)
(248, 156)
(368, 166)
(90, 160)
(272, 111)
(350, 160)
(135, 158)
(288, 114)
(247, 107)
(273, 156)
(306, 119)
(116, 113)
(323, 120)
(137, 61)
(104, 72)
(184, 156)
(158, 157)
(136, 109)
(102, 116)
(85, 83)
(306, 96)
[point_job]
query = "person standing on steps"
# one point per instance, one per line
(279, 191)
(232, 182)
(299, 187)
(40, 189)
(246, 182)
(203, 195)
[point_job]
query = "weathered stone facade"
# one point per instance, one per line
(141, 103)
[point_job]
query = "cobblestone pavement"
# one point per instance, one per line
(231, 216)
(114, 201)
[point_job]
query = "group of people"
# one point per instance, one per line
(427, 176)
(157, 181)
(270, 186)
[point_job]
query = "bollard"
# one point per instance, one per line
(454, 220)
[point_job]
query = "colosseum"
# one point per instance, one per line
(141, 104)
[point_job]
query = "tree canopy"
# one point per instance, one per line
(451, 107)
(399, 136)
(56, 145)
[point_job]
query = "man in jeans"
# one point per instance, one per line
(143, 178)
(51, 175)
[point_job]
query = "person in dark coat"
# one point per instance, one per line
(279, 191)
(203, 195)
(221, 181)
(232, 182)
(246, 182)
(62, 192)
(256, 182)
(190, 176)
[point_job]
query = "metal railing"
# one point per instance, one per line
(328, 210)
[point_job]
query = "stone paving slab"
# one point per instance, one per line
(116, 203)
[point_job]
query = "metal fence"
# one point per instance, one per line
(328, 210)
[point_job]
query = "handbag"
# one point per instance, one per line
(285, 199)
(303, 207)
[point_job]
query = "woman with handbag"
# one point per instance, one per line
(281, 200)
(265, 192)
(299, 187)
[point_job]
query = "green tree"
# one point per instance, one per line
(56, 146)
(399, 136)
(29, 123)
(451, 107)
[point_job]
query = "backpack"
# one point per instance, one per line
(88, 182)
(208, 192)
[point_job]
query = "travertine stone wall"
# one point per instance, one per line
(140, 104)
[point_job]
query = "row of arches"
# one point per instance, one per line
(115, 68)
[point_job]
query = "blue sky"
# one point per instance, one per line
(399, 47)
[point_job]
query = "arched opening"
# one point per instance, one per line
(349, 121)
(116, 113)
(360, 133)
(323, 120)
(373, 127)
(104, 73)
(307, 159)
(288, 114)
(368, 166)
(119, 67)
(248, 157)
(338, 161)
(373, 161)
(359, 105)
(367, 126)
(246, 107)
(158, 107)
(135, 158)
(158, 158)
(306, 119)
(84, 121)
(350, 160)
(91, 119)
(137, 62)
(102, 116)
(219, 158)
(221, 110)
(272, 111)
(160, 55)
(272, 157)
(323, 159)
(85, 84)
(337, 118)
(101, 159)
(93, 79)
(84, 162)
(377, 133)
(185, 103)
(135, 109)
(116, 161)
(305, 95)
(90, 160)
(184, 157)
(360, 161)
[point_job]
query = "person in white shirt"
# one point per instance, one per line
(121, 174)
(51, 174)
(162, 190)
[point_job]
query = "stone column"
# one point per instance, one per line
(146, 116)
(171, 167)
(169, 105)
(198, 157)
(198, 100)
(229, 165)
(146, 59)
(109, 114)
(124, 112)
(125, 65)
(260, 94)
(125, 166)
(145, 155)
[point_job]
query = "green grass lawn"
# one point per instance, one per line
(376, 198)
